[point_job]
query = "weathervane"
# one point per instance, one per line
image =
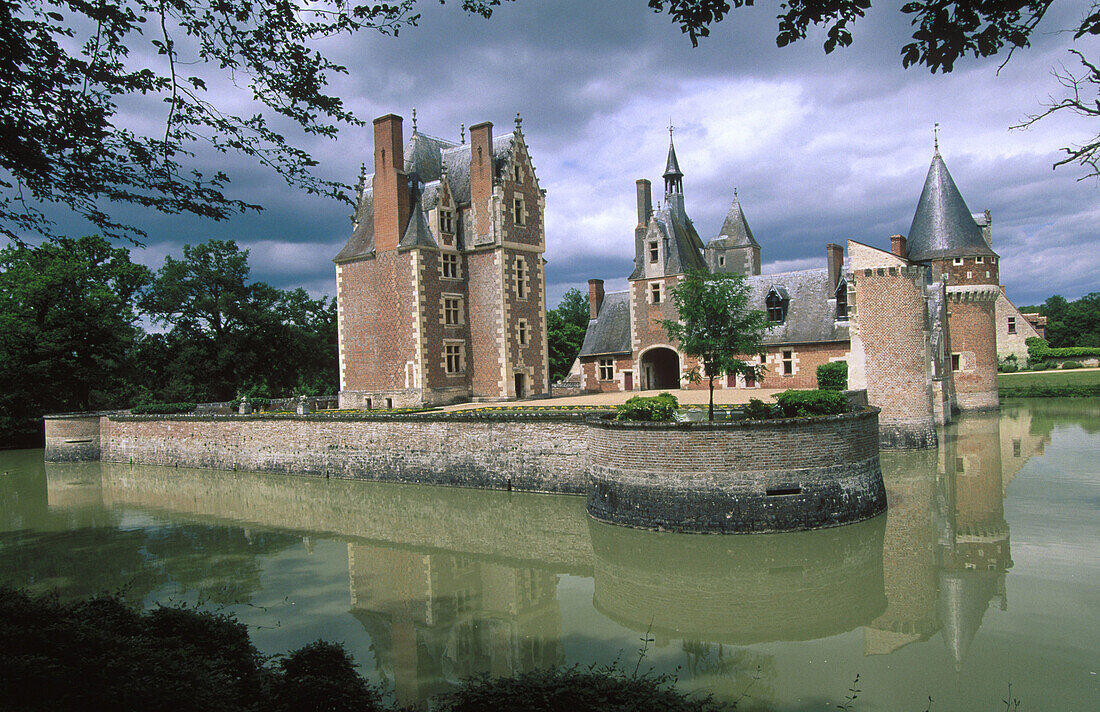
(670, 128)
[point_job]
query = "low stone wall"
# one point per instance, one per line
(544, 455)
(748, 476)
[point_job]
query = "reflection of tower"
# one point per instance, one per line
(436, 618)
(975, 550)
(909, 555)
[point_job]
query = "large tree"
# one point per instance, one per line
(565, 327)
(716, 325)
(67, 324)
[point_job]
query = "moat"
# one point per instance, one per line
(983, 573)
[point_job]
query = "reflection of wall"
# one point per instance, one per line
(436, 618)
(740, 589)
(909, 555)
(1018, 443)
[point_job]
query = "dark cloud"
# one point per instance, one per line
(822, 148)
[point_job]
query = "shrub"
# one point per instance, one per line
(661, 407)
(833, 376)
(1044, 366)
(162, 409)
(802, 403)
(758, 410)
(1053, 391)
(1072, 364)
(1038, 350)
(1008, 364)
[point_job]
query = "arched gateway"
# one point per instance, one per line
(660, 369)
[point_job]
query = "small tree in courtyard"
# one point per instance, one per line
(716, 325)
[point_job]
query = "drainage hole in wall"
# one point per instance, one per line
(782, 491)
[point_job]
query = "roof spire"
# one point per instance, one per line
(674, 178)
(519, 122)
(462, 132)
(414, 119)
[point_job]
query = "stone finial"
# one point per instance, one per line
(303, 406)
(519, 123)
(936, 137)
(414, 119)
(462, 133)
(245, 408)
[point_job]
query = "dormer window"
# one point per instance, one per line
(721, 260)
(653, 255)
(446, 221)
(842, 301)
(777, 303)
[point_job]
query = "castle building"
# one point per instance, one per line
(441, 286)
(917, 324)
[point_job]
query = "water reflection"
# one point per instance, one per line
(446, 582)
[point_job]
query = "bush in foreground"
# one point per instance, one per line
(796, 404)
(1071, 364)
(757, 409)
(660, 408)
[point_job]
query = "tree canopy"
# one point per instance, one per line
(716, 324)
(1075, 323)
(565, 328)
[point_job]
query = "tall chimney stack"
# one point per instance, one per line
(481, 176)
(645, 201)
(391, 186)
(835, 255)
(897, 246)
(595, 297)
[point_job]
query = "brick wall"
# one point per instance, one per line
(486, 349)
(646, 316)
(440, 386)
(530, 359)
(591, 382)
(378, 315)
(752, 476)
(972, 316)
(72, 438)
(806, 358)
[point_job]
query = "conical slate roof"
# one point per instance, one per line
(736, 228)
(672, 166)
(943, 226)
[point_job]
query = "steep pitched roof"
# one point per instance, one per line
(423, 156)
(609, 332)
(361, 242)
(943, 226)
(735, 230)
(672, 166)
(811, 316)
(418, 233)
(683, 243)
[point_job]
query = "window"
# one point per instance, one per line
(721, 260)
(453, 358)
(450, 266)
(653, 255)
(842, 301)
(1012, 325)
(521, 278)
(655, 292)
(1016, 447)
(956, 362)
(517, 211)
(788, 363)
(446, 223)
(521, 332)
(777, 302)
(969, 275)
(607, 369)
(389, 404)
(519, 178)
(992, 260)
(452, 311)
(979, 260)
(960, 465)
(957, 261)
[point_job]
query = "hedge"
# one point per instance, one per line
(797, 404)
(661, 407)
(1038, 350)
(1035, 391)
(833, 376)
(162, 409)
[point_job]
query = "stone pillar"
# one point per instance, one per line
(303, 406)
(245, 407)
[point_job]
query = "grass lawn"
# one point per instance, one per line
(1049, 378)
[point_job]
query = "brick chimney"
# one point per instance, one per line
(897, 246)
(645, 202)
(835, 255)
(391, 186)
(595, 297)
(481, 176)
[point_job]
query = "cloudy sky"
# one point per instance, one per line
(821, 148)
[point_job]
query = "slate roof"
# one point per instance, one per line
(672, 166)
(943, 226)
(676, 230)
(418, 233)
(609, 332)
(735, 230)
(425, 157)
(811, 317)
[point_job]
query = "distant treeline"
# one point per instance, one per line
(1069, 323)
(72, 337)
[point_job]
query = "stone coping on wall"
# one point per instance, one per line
(858, 413)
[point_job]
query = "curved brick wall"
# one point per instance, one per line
(751, 476)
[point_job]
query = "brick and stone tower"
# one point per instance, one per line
(440, 288)
(945, 236)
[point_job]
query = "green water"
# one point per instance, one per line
(984, 573)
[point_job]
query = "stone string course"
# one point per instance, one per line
(704, 477)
